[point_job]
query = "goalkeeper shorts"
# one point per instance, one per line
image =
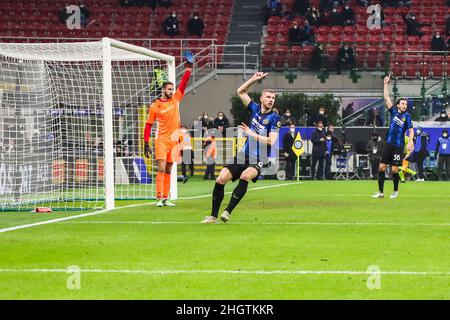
(168, 150)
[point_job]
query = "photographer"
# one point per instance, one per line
(375, 149)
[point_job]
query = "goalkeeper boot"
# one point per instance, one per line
(378, 195)
(159, 203)
(209, 220)
(167, 203)
(225, 216)
(394, 195)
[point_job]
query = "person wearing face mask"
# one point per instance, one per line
(348, 15)
(221, 123)
(442, 151)
(336, 18)
(375, 149)
(443, 117)
(420, 151)
(207, 122)
(346, 58)
(313, 15)
(294, 35)
(412, 25)
(287, 118)
(195, 26)
(171, 26)
(288, 153)
(438, 43)
(319, 149)
(319, 117)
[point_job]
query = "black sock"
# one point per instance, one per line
(238, 194)
(396, 179)
(217, 198)
(381, 178)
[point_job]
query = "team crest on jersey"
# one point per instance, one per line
(279, 124)
(265, 121)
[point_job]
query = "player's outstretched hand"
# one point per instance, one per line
(387, 79)
(189, 58)
(147, 150)
(259, 75)
(245, 128)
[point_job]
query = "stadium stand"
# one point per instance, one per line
(370, 46)
(37, 21)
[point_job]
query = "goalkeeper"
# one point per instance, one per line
(405, 165)
(166, 111)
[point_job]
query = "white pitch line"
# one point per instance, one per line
(35, 224)
(271, 223)
(255, 272)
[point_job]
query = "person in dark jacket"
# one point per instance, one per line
(443, 117)
(221, 123)
(294, 35)
(319, 58)
(346, 58)
(443, 151)
(318, 140)
(195, 26)
(319, 117)
(420, 151)
(171, 25)
(438, 43)
(288, 153)
(375, 149)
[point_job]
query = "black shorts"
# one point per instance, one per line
(392, 155)
(237, 167)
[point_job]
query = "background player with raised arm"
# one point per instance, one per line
(400, 122)
(166, 110)
(262, 134)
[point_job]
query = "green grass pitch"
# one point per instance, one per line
(285, 240)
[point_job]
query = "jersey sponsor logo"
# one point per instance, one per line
(167, 109)
(399, 122)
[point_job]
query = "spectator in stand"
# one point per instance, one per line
(221, 123)
(165, 3)
(63, 14)
(301, 6)
(207, 122)
(319, 59)
(294, 35)
(312, 15)
(271, 8)
(346, 58)
(443, 117)
(84, 15)
(447, 25)
(320, 117)
(195, 26)
(307, 35)
(171, 26)
(318, 151)
(438, 43)
(336, 18)
(348, 15)
(287, 118)
(288, 153)
(412, 25)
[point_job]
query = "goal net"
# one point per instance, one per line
(72, 117)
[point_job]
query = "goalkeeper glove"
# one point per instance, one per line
(189, 58)
(147, 150)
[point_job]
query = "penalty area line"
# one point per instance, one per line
(41, 223)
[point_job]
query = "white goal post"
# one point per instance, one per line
(72, 118)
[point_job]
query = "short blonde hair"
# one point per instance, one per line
(267, 90)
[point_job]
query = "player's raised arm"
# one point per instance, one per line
(242, 91)
(387, 99)
(190, 60)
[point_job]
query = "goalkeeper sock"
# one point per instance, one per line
(401, 175)
(166, 185)
(159, 185)
(410, 171)
(217, 198)
(381, 178)
(238, 194)
(396, 179)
